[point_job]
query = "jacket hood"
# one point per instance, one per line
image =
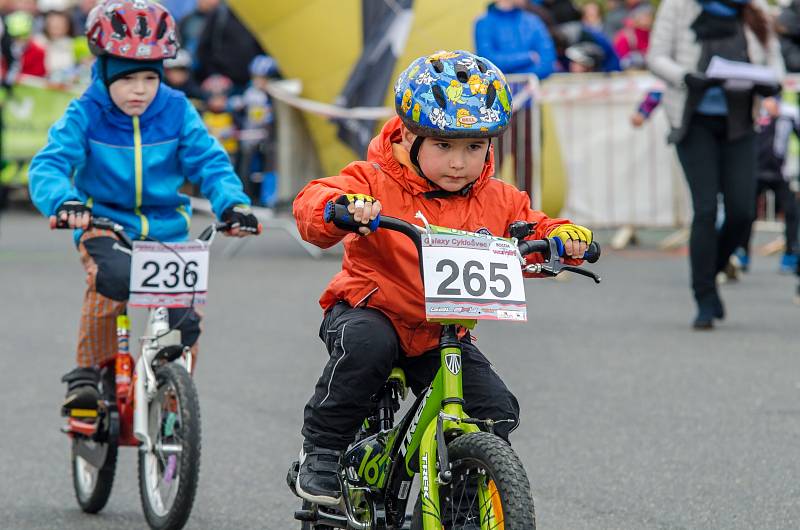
(98, 93)
(494, 11)
(387, 151)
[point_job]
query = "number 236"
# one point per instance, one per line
(472, 277)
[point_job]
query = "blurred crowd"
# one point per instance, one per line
(560, 36)
(221, 67)
(609, 36)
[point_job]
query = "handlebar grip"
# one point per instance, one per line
(342, 218)
(592, 253)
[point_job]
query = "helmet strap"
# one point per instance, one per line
(414, 156)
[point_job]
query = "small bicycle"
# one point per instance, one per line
(470, 479)
(150, 402)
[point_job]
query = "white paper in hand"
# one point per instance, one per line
(720, 68)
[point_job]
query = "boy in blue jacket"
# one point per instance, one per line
(122, 151)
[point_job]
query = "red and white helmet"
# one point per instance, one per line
(132, 29)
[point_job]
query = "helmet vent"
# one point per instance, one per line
(461, 74)
(162, 26)
(438, 95)
(491, 95)
(481, 66)
(438, 66)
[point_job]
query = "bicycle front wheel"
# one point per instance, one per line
(489, 488)
(168, 473)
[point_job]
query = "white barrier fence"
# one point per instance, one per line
(615, 175)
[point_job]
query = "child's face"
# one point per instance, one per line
(176, 76)
(133, 93)
(260, 82)
(56, 25)
(450, 163)
(217, 103)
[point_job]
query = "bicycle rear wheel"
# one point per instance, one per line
(94, 463)
(168, 473)
(486, 473)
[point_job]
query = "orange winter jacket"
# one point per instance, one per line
(381, 270)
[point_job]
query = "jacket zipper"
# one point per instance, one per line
(137, 157)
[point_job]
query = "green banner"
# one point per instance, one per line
(28, 114)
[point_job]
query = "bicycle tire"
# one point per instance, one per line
(92, 493)
(186, 464)
(502, 465)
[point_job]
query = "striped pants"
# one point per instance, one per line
(107, 265)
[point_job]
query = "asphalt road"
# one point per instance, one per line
(630, 420)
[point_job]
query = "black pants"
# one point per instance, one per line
(714, 164)
(787, 202)
(363, 348)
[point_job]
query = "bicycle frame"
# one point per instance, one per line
(131, 429)
(438, 412)
(127, 422)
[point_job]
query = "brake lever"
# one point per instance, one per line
(553, 266)
(582, 272)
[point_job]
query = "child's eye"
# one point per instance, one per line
(476, 147)
(443, 145)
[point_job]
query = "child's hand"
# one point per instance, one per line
(638, 119)
(576, 239)
(242, 221)
(72, 214)
(364, 209)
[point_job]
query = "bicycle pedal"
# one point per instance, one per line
(79, 413)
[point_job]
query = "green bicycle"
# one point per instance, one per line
(470, 479)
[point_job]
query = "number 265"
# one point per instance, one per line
(472, 277)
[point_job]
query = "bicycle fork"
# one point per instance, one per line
(434, 462)
(157, 335)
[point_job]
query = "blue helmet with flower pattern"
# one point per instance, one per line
(453, 95)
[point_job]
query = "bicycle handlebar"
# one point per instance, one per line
(104, 223)
(339, 215)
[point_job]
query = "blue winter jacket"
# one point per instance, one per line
(130, 169)
(507, 38)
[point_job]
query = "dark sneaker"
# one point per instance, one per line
(82, 393)
(705, 318)
(318, 478)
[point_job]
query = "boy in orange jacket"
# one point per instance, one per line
(434, 157)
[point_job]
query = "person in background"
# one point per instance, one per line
(592, 16)
(192, 25)
(179, 8)
(514, 39)
(646, 108)
(585, 57)
(79, 13)
(712, 123)
(59, 45)
(178, 75)
(631, 41)
(787, 26)
(226, 47)
(777, 122)
(577, 33)
(617, 12)
(218, 117)
(29, 55)
(257, 135)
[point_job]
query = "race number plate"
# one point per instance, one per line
(168, 277)
(472, 276)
